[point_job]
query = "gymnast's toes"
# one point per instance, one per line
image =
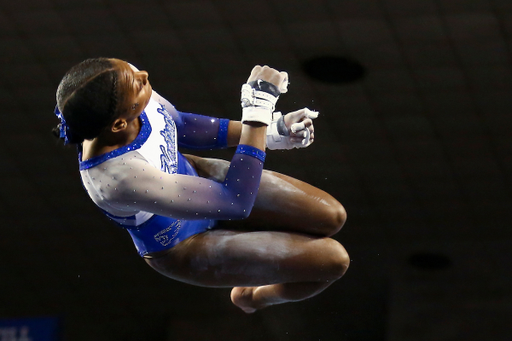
(242, 298)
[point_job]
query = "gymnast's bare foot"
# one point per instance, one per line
(242, 297)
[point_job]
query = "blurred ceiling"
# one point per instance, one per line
(418, 151)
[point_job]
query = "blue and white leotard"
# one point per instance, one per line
(150, 188)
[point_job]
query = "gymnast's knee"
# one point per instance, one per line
(337, 216)
(339, 259)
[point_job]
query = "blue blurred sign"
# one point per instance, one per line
(30, 329)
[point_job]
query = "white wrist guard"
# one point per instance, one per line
(258, 100)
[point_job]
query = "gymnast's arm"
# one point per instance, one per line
(205, 132)
(132, 185)
(200, 131)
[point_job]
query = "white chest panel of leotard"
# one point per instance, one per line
(156, 144)
(161, 149)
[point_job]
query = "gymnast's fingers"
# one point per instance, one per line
(268, 74)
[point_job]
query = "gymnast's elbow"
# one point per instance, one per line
(241, 212)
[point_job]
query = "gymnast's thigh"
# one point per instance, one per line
(283, 202)
(223, 258)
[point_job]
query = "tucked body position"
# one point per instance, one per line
(204, 221)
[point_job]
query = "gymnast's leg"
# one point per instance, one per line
(264, 267)
(283, 203)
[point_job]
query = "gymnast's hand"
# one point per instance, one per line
(293, 130)
(268, 74)
(260, 93)
(300, 125)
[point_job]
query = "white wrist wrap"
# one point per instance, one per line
(274, 139)
(257, 105)
(273, 136)
(257, 114)
(251, 96)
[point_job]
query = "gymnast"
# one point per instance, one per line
(204, 221)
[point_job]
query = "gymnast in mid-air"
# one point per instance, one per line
(204, 221)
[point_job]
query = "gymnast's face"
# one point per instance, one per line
(135, 89)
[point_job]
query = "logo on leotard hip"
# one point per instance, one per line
(167, 235)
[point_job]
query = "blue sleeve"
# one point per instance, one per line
(133, 186)
(242, 181)
(201, 132)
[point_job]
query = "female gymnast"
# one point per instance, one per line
(204, 221)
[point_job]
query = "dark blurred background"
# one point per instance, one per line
(414, 138)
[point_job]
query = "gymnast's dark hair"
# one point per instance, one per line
(87, 97)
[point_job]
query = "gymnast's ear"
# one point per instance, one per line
(119, 125)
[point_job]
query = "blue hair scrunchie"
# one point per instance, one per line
(63, 127)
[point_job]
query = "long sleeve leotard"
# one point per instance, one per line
(149, 188)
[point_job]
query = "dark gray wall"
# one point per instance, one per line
(419, 152)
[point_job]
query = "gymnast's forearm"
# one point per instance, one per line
(234, 133)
